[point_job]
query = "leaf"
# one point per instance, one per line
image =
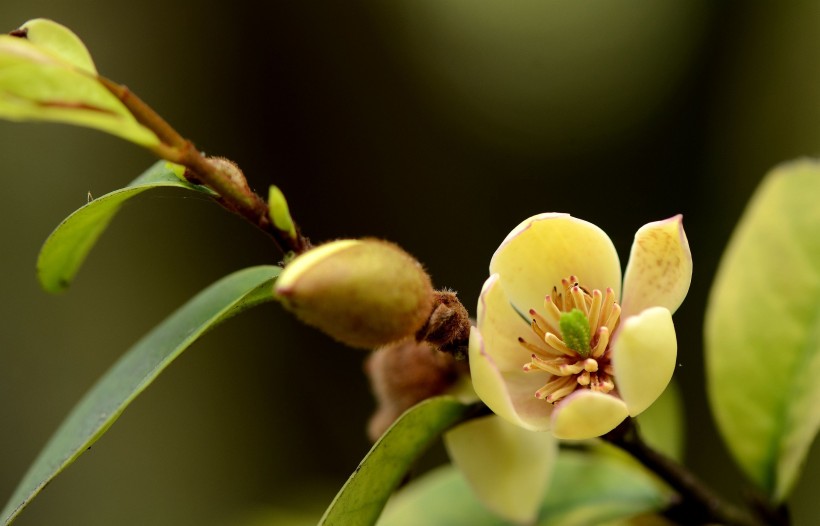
(601, 484)
(763, 330)
(439, 498)
(662, 425)
(135, 371)
(589, 487)
(66, 248)
(51, 77)
(361, 499)
(61, 42)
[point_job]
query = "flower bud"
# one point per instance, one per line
(405, 373)
(279, 212)
(364, 293)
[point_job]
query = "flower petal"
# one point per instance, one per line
(510, 395)
(643, 356)
(497, 360)
(545, 248)
(587, 414)
(501, 326)
(507, 467)
(659, 269)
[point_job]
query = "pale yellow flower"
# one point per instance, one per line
(557, 346)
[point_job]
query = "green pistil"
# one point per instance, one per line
(575, 331)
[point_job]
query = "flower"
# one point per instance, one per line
(583, 361)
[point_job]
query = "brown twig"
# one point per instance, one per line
(699, 504)
(220, 175)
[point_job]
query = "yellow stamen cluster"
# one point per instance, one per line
(572, 369)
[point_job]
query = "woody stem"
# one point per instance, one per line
(699, 504)
(234, 192)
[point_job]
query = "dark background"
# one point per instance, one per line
(437, 124)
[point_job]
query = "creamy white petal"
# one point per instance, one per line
(660, 267)
(501, 326)
(511, 395)
(507, 467)
(587, 414)
(545, 248)
(643, 356)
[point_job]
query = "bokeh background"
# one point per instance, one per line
(438, 124)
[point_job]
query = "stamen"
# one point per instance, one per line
(552, 314)
(614, 316)
(553, 385)
(595, 310)
(594, 382)
(543, 322)
(568, 283)
(569, 311)
(553, 367)
(558, 299)
(556, 343)
(590, 365)
(606, 384)
(606, 307)
(537, 329)
(601, 383)
(578, 297)
(563, 390)
(570, 369)
(603, 341)
(537, 349)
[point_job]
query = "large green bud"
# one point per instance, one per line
(364, 293)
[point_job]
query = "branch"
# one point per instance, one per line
(221, 175)
(699, 503)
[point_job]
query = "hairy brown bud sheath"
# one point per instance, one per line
(365, 293)
(405, 373)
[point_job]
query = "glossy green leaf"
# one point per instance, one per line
(589, 487)
(361, 499)
(763, 330)
(135, 371)
(66, 248)
(51, 77)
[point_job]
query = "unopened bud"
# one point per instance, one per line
(405, 373)
(279, 212)
(364, 293)
(231, 171)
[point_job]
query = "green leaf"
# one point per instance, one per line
(763, 330)
(361, 499)
(589, 487)
(61, 42)
(662, 425)
(135, 371)
(66, 248)
(47, 78)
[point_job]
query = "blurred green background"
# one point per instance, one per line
(439, 124)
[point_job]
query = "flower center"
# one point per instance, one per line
(573, 330)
